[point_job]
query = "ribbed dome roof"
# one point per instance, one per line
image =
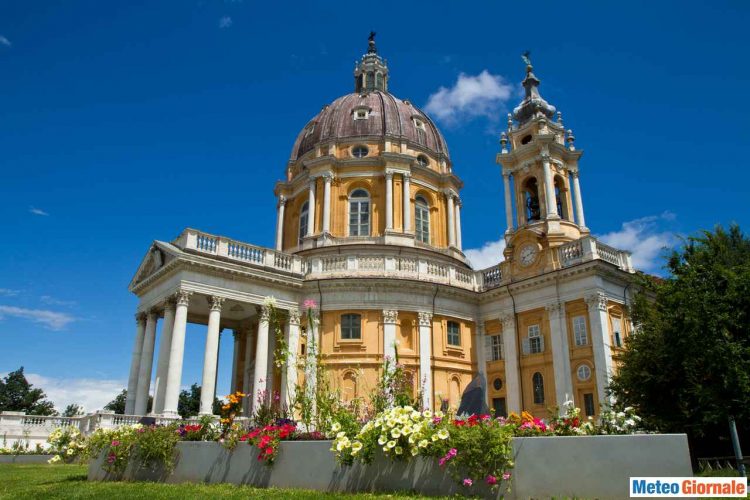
(388, 116)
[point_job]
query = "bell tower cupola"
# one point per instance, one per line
(371, 72)
(540, 174)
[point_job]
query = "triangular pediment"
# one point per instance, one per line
(158, 256)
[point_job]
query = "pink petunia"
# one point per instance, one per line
(506, 476)
(468, 482)
(491, 479)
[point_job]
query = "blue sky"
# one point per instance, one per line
(122, 123)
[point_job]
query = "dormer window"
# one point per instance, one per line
(361, 114)
(526, 139)
(421, 131)
(419, 124)
(422, 161)
(360, 151)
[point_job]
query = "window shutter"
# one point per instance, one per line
(526, 346)
(488, 348)
(541, 344)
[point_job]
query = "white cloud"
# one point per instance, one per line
(646, 238)
(90, 393)
(4, 41)
(484, 94)
(7, 292)
(47, 299)
(50, 319)
(225, 22)
(489, 255)
(37, 211)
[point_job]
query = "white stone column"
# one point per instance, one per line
(280, 223)
(451, 220)
(147, 362)
(235, 361)
(479, 343)
(549, 190)
(270, 385)
(248, 372)
(176, 353)
(328, 177)
(211, 356)
(407, 202)
(311, 207)
(261, 358)
(560, 354)
(289, 375)
(458, 224)
(311, 363)
(390, 318)
(162, 365)
(580, 219)
(388, 200)
(598, 317)
(425, 358)
(510, 354)
(508, 203)
(135, 363)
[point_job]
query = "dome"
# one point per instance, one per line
(384, 116)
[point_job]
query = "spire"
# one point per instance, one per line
(371, 72)
(533, 105)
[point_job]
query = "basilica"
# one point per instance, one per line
(369, 228)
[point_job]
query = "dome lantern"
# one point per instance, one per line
(371, 72)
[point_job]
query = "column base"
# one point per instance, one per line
(170, 414)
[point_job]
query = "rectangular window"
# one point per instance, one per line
(351, 326)
(588, 404)
(579, 330)
(617, 331)
(497, 347)
(454, 333)
(536, 343)
(499, 406)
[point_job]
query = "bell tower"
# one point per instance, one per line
(539, 161)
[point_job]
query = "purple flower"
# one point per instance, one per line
(111, 458)
(468, 482)
(491, 479)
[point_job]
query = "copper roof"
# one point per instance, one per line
(389, 116)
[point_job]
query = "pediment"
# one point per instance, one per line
(156, 258)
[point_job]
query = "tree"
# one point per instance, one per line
(72, 410)
(17, 394)
(688, 367)
(190, 402)
(117, 405)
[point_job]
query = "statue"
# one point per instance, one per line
(371, 38)
(473, 398)
(526, 57)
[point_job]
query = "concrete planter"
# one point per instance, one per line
(24, 459)
(588, 466)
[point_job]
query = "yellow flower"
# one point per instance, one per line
(442, 434)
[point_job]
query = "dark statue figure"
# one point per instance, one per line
(473, 399)
(371, 38)
(533, 205)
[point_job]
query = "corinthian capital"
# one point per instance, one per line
(553, 308)
(597, 301)
(508, 320)
(425, 319)
(182, 297)
(215, 302)
(294, 317)
(390, 316)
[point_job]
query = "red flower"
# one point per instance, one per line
(269, 451)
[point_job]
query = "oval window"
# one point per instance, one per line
(497, 384)
(584, 373)
(360, 151)
(526, 139)
(422, 161)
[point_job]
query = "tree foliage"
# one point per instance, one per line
(17, 394)
(189, 403)
(688, 367)
(72, 410)
(117, 405)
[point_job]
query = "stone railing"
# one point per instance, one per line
(589, 248)
(422, 268)
(33, 429)
(391, 266)
(204, 243)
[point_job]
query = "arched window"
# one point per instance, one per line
(379, 81)
(304, 215)
(370, 80)
(422, 219)
(359, 213)
(531, 200)
(422, 161)
(537, 382)
(561, 198)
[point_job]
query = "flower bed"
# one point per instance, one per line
(584, 466)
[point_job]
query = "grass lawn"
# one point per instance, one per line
(69, 481)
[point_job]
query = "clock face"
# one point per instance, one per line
(528, 254)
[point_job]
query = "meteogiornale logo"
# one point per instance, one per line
(674, 487)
